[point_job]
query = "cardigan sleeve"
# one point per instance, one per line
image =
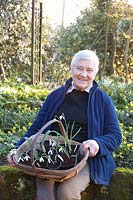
(111, 137)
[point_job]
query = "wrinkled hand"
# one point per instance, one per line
(92, 145)
(10, 160)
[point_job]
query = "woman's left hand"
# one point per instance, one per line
(92, 145)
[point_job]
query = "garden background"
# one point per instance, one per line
(106, 27)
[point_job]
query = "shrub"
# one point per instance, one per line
(19, 104)
(122, 96)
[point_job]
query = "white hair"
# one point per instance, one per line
(86, 55)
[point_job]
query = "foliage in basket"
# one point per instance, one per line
(53, 152)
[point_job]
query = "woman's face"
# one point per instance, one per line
(83, 74)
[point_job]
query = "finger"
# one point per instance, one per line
(93, 152)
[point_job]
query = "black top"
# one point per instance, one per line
(74, 108)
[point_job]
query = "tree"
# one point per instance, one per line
(14, 31)
(15, 39)
(97, 28)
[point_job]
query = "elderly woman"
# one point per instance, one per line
(82, 101)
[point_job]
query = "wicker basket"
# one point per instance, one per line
(52, 174)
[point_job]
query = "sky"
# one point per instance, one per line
(130, 2)
(54, 8)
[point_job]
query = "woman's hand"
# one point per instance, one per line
(92, 145)
(10, 160)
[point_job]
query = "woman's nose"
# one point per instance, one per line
(83, 74)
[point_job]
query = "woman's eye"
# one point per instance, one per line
(89, 70)
(79, 68)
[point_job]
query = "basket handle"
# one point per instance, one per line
(41, 130)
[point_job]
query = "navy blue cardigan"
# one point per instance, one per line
(103, 127)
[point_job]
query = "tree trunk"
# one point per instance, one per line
(2, 71)
(113, 52)
(126, 51)
(106, 44)
(33, 42)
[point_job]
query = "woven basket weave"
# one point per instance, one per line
(56, 175)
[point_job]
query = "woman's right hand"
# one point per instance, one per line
(10, 159)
